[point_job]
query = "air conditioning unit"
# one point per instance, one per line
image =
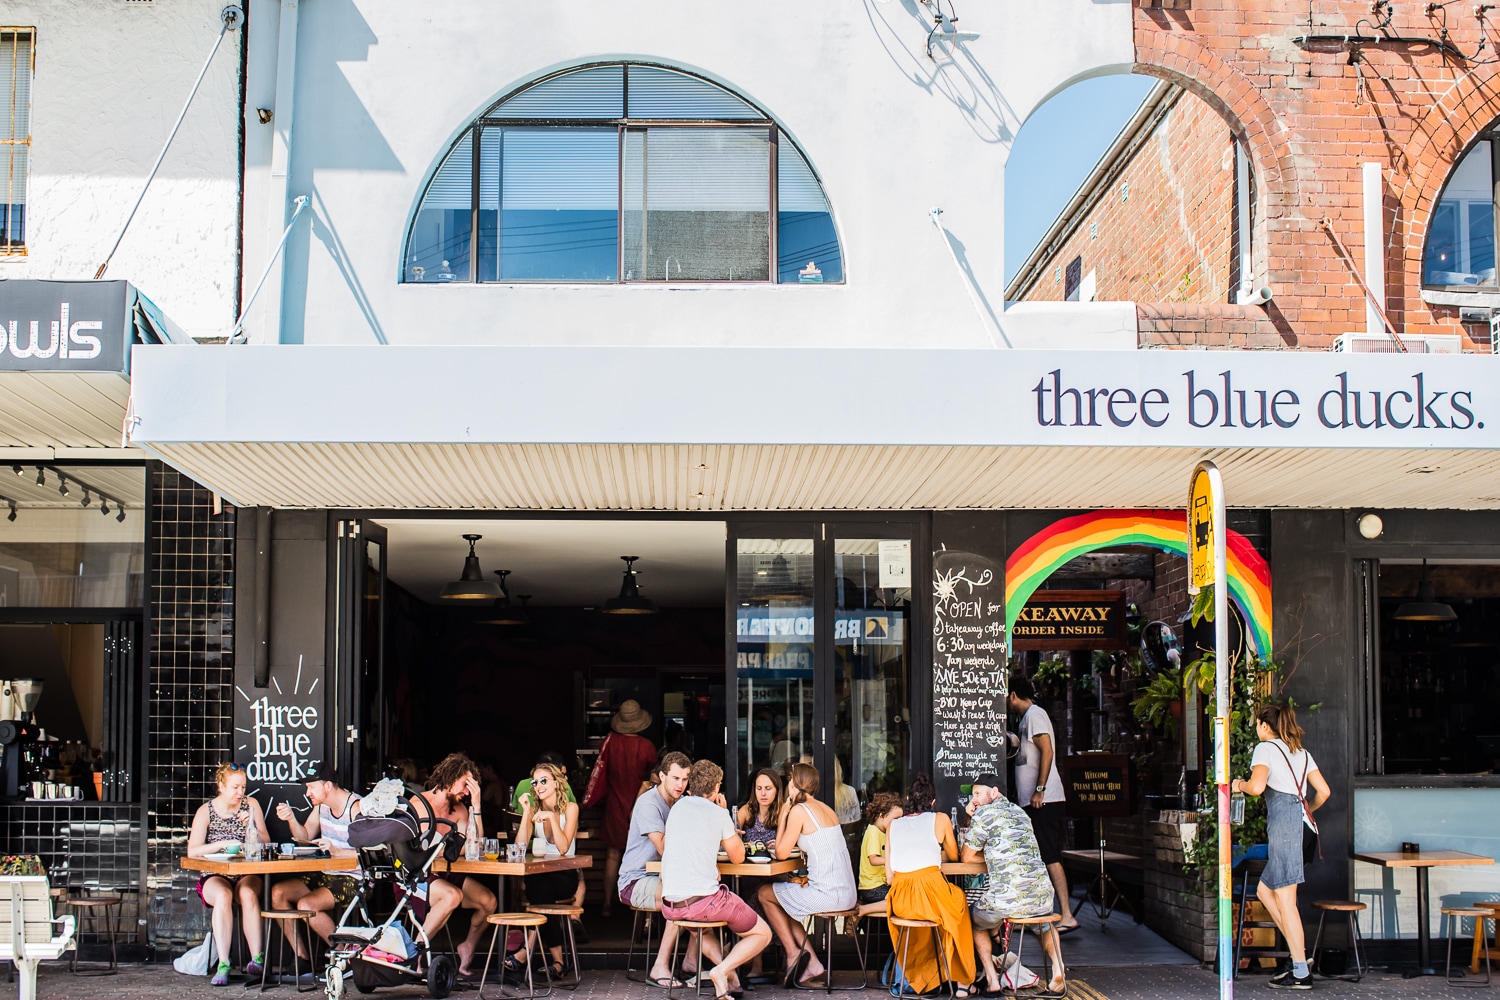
(1384, 343)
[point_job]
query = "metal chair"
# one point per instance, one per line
(1042, 921)
(695, 929)
(502, 922)
(301, 921)
(905, 927)
(647, 916)
(86, 907)
(1455, 915)
(1350, 908)
(830, 923)
(565, 911)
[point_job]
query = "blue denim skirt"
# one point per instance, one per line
(1284, 839)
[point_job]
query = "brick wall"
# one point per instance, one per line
(1310, 117)
(1162, 230)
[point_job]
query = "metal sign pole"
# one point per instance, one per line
(1207, 536)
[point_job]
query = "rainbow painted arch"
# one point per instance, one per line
(1041, 555)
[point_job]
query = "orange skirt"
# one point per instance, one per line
(926, 895)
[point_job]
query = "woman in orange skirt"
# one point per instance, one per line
(917, 844)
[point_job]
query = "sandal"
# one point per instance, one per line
(794, 974)
(513, 964)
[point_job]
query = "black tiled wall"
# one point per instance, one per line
(89, 847)
(191, 727)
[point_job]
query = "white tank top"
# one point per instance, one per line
(912, 843)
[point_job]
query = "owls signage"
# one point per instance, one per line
(64, 326)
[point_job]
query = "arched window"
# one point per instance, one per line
(623, 173)
(1460, 250)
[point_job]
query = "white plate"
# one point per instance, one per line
(761, 861)
(304, 852)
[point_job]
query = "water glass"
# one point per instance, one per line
(252, 851)
(491, 849)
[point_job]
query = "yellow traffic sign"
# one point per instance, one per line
(1200, 532)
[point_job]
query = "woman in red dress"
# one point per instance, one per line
(623, 761)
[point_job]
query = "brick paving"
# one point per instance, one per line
(1120, 983)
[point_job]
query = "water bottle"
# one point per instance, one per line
(252, 842)
(472, 847)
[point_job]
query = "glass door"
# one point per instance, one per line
(822, 653)
(361, 733)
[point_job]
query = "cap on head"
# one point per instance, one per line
(324, 772)
(989, 779)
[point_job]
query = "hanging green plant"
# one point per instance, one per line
(1160, 703)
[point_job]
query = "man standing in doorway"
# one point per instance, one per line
(1039, 790)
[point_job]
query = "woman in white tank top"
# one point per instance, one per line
(916, 845)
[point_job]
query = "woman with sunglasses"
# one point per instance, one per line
(549, 822)
(222, 823)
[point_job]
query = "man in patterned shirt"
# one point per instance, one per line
(1000, 835)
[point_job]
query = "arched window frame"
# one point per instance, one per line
(1461, 224)
(470, 142)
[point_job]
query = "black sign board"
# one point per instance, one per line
(1097, 784)
(66, 326)
(968, 670)
(1072, 619)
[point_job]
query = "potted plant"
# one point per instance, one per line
(1160, 703)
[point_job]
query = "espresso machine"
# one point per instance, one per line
(21, 747)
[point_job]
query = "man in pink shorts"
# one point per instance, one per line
(698, 828)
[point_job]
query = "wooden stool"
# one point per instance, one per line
(695, 929)
(1454, 915)
(1350, 908)
(527, 922)
(566, 912)
(647, 915)
(87, 908)
(830, 920)
(905, 928)
(1041, 922)
(1480, 943)
(301, 921)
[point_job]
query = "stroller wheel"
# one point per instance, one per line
(333, 983)
(442, 975)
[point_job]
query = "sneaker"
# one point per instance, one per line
(221, 975)
(1287, 981)
(254, 969)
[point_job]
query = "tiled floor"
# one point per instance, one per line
(1166, 982)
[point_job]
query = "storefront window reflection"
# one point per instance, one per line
(73, 537)
(774, 650)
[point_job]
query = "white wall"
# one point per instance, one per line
(110, 80)
(383, 87)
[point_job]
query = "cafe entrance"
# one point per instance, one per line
(749, 642)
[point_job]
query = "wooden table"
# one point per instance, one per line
(533, 865)
(747, 868)
(269, 867)
(954, 868)
(1423, 862)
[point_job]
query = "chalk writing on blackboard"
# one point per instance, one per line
(968, 669)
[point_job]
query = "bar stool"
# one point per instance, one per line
(1252, 870)
(830, 921)
(566, 911)
(301, 921)
(1481, 944)
(695, 928)
(1454, 915)
(1041, 921)
(1350, 908)
(526, 922)
(905, 928)
(647, 915)
(87, 908)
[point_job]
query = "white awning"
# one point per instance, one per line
(497, 428)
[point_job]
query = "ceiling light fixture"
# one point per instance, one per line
(1426, 608)
(62, 485)
(504, 613)
(1371, 526)
(86, 501)
(471, 584)
(18, 470)
(12, 515)
(104, 505)
(41, 476)
(630, 601)
(120, 513)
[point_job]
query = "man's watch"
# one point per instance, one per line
(1041, 788)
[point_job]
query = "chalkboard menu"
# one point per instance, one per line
(968, 670)
(1097, 784)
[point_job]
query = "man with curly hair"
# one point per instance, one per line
(452, 792)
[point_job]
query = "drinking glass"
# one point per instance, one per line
(491, 849)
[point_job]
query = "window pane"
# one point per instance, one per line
(872, 655)
(58, 553)
(774, 650)
(439, 246)
(586, 93)
(559, 214)
(662, 93)
(807, 248)
(15, 132)
(697, 204)
(1461, 237)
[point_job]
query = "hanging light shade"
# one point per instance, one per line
(471, 585)
(1426, 608)
(630, 601)
(504, 613)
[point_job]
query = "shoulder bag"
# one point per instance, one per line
(1312, 845)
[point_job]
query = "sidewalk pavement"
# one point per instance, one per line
(1175, 982)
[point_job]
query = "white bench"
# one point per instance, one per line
(28, 931)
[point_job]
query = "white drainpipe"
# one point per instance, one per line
(1374, 206)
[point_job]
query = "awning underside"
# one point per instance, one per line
(607, 477)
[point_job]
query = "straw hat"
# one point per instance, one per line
(630, 718)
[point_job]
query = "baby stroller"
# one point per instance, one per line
(399, 846)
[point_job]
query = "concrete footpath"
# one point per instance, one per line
(1172, 982)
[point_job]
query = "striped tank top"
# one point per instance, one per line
(336, 828)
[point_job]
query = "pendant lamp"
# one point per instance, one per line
(1426, 608)
(630, 601)
(504, 612)
(471, 584)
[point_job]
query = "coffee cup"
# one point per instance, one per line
(232, 849)
(38, 789)
(50, 790)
